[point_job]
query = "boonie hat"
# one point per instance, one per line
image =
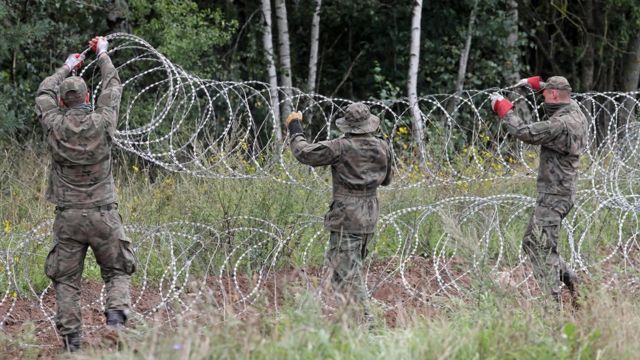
(358, 120)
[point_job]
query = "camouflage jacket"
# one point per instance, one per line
(359, 164)
(80, 141)
(563, 137)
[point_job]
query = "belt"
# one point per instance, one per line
(107, 207)
(356, 193)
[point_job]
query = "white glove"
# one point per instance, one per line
(534, 82)
(495, 97)
(74, 61)
(99, 45)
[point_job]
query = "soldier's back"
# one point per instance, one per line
(81, 160)
(364, 162)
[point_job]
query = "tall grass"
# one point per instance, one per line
(494, 327)
(492, 322)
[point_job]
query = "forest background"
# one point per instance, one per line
(362, 47)
(364, 51)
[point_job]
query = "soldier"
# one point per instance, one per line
(82, 188)
(563, 137)
(360, 162)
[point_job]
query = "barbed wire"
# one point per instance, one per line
(226, 130)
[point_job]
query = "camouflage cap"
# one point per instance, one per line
(358, 120)
(73, 90)
(556, 82)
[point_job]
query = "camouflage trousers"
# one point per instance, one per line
(345, 258)
(540, 243)
(75, 230)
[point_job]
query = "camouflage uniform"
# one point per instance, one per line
(82, 188)
(360, 162)
(563, 137)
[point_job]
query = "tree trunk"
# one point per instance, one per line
(117, 16)
(513, 70)
(464, 58)
(588, 60)
(630, 77)
(285, 57)
(313, 56)
(631, 69)
(267, 42)
(412, 84)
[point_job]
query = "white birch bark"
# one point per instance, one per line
(267, 42)
(412, 84)
(313, 56)
(285, 57)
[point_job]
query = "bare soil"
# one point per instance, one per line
(418, 290)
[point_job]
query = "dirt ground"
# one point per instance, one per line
(417, 290)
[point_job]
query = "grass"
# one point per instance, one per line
(489, 323)
(494, 326)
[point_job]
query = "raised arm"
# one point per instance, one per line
(314, 154)
(108, 103)
(47, 97)
(537, 133)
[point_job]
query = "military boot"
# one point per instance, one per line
(72, 342)
(570, 279)
(115, 318)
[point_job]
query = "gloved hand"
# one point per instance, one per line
(294, 116)
(500, 105)
(534, 82)
(74, 61)
(99, 45)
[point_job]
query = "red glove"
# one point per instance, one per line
(500, 105)
(74, 61)
(534, 82)
(99, 45)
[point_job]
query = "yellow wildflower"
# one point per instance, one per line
(135, 168)
(403, 130)
(7, 226)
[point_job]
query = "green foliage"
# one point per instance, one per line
(491, 321)
(364, 44)
(186, 34)
(35, 39)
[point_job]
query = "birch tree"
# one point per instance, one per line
(284, 52)
(267, 42)
(412, 84)
(313, 55)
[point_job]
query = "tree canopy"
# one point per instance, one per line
(363, 44)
